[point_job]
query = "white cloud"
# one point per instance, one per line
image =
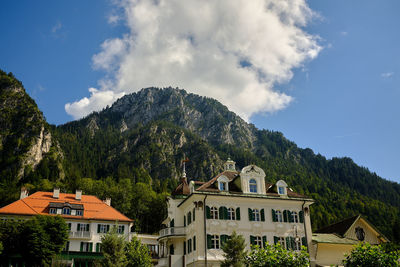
(56, 27)
(344, 33)
(96, 101)
(235, 51)
(387, 75)
(113, 19)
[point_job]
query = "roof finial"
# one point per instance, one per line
(185, 159)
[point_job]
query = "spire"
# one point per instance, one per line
(185, 159)
(229, 165)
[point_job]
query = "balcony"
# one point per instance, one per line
(81, 235)
(172, 231)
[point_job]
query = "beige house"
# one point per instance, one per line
(331, 243)
(202, 216)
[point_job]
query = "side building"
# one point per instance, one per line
(202, 216)
(88, 218)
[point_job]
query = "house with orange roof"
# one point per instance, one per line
(202, 216)
(88, 218)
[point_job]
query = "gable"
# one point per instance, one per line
(361, 230)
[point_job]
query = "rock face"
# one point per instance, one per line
(25, 137)
(205, 116)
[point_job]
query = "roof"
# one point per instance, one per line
(333, 239)
(182, 188)
(339, 228)
(231, 175)
(39, 203)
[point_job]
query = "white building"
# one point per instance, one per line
(88, 218)
(201, 216)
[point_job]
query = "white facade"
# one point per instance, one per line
(199, 221)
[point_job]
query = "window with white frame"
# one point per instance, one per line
(214, 213)
(253, 186)
(231, 214)
(297, 244)
(282, 241)
(279, 216)
(79, 212)
(121, 229)
(281, 190)
(66, 211)
(256, 215)
(258, 241)
(53, 211)
(215, 241)
(86, 246)
(103, 228)
(295, 217)
(222, 186)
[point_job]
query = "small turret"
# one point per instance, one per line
(230, 165)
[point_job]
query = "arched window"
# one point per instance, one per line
(66, 210)
(253, 186)
(214, 213)
(231, 214)
(295, 217)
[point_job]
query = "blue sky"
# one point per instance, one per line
(338, 96)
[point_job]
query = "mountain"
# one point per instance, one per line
(26, 142)
(143, 137)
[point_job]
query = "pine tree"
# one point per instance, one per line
(234, 250)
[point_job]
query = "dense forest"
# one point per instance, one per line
(132, 152)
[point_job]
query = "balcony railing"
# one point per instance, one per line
(173, 231)
(81, 234)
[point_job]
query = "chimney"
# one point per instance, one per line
(78, 194)
(108, 201)
(56, 192)
(24, 193)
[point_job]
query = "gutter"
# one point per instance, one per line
(305, 228)
(205, 230)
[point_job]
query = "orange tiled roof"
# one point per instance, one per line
(38, 203)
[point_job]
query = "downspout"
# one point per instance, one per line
(305, 228)
(205, 230)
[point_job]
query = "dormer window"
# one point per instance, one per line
(223, 183)
(281, 187)
(66, 211)
(253, 186)
(53, 211)
(222, 186)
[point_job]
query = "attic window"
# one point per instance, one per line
(281, 187)
(253, 186)
(222, 186)
(281, 190)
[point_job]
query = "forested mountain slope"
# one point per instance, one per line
(133, 151)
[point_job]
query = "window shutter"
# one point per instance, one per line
(184, 220)
(171, 249)
(225, 213)
(189, 218)
(87, 227)
(276, 239)
(262, 215)
(123, 229)
(304, 241)
(250, 214)
(264, 238)
(252, 240)
(292, 243)
(208, 212)
(172, 223)
(285, 216)
(287, 243)
(238, 213)
(81, 245)
(98, 228)
(291, 219)
(301, 216)
(221, 213)
(209, 245)
(223, 239)
(274, 219)
(194, 243)
(90, 247)
(79, 227)
(184, 247)
(108, 228)
(194, 214)
(97, 247)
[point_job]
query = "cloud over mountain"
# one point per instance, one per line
(234, 51)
